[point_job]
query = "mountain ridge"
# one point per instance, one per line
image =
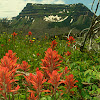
(54, 19)
(34, 9)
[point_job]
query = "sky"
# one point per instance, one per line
(11, 8)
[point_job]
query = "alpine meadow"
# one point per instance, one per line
(51, 52)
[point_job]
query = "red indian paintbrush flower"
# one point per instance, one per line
(32, 95)
(24, 66)
(9, 40)
(29, 33)
(65, 71)
(69, 83)
(71, 39)
(37, 82)
(45, 37)
(55, 78)
(31, 41)
(53, 44)
(14, 34)
(68, 53)
(9, 63)
(11, 55)
(51, 61)
(6, 81)
(2, 45)
(38, 54)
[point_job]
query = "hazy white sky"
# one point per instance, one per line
(11, 8)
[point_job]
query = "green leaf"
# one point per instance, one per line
(88, 71)
(88, 79)
(46, 98)
(98, 90)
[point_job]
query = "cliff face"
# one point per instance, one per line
(52, 18)
(41, 10)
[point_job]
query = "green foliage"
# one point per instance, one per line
(98, 39)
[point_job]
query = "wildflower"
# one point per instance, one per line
(38, 54)
(26, 35)
(55, 78)
(71, 39)
(53, 44)
(32, 96)
(24, 66)
(29, 33)
(37, 69)
(45, 37)
(8, 63)
(11, 55)
(6, 82)
(68, 53)
(28, 60)
(51, 61)
(34, 55)
(9, 40)
(34, 38)
(56, 36)
(65, 71)
(14, 34)
(2, 45)
(68, 43)
(37, 82)
(31, 41)
(8, 68)
(69, 83)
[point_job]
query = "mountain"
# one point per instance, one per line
(54, 19)
(41, 10)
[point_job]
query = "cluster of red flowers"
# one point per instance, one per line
(49, 72)
(29, 33)
(25, 66)
(31, 41)
(68, 53)
(8, 72)
(53, 44)
(38, 54)
(8, 40)
(70, 40)
(8, 69)
(37, 82)
(45, 37)
(14, 34)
